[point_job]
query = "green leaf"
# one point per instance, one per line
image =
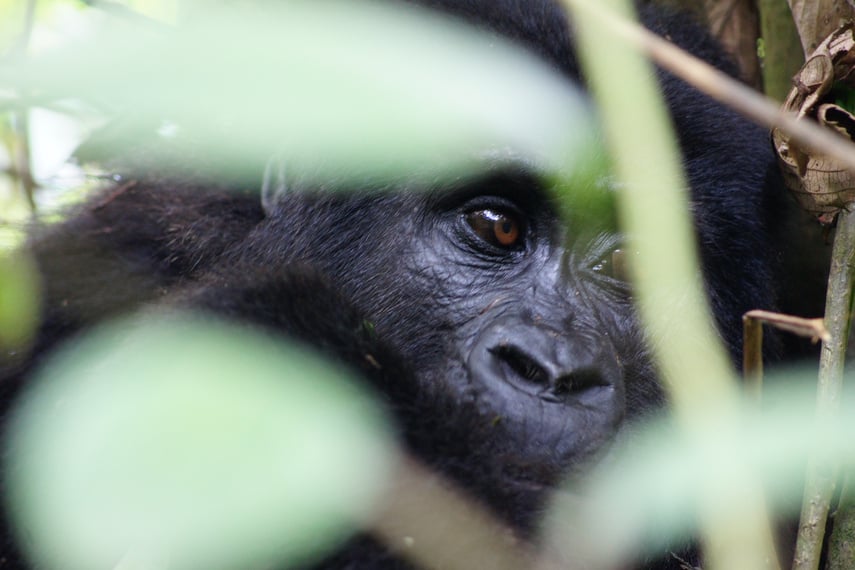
(646, 497)
(349, 87)
(189, 442)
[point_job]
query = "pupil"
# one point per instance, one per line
(507, 226)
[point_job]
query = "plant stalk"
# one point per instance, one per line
(822, 469)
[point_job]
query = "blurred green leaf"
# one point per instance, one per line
(351, 86)
(645, 496)
(184, 443)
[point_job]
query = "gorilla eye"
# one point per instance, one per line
(497, 228)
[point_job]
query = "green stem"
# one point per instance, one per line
(822, 469)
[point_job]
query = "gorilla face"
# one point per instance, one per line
(519, 331)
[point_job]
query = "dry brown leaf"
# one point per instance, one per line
(820, 184)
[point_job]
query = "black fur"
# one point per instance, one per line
(395, 285)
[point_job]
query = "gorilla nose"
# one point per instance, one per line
(555, 393)
(547, 365)
(515, 358)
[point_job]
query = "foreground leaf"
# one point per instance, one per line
(188, 444)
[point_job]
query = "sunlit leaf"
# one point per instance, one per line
(183, 443)
(351, 86)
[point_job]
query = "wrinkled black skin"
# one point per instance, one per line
(451, 323)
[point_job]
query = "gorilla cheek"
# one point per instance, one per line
(556, 393)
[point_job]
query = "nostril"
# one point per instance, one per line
(578, 381)
(552, 375)
(521, 364)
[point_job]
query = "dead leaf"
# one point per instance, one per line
(821, 185)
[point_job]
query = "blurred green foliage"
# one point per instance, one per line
(193, 444)
(217, 447)
(318, 83)
(644, 498)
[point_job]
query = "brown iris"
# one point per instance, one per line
(494, 227)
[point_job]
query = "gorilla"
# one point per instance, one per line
(503, 340)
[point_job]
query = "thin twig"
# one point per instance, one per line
(752, 355)
(813, 329)
(752, 349)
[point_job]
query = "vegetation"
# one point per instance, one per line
(715, 467)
